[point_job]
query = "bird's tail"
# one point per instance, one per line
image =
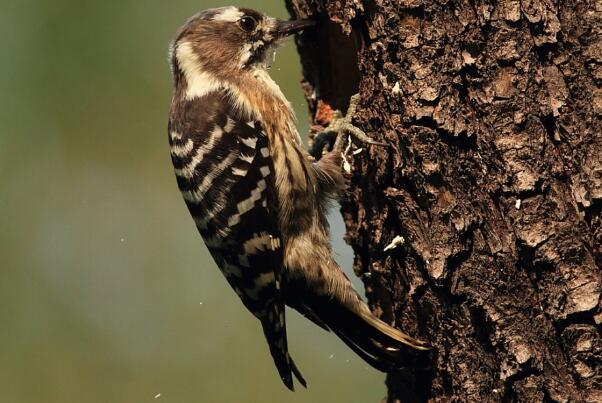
(380, 345)
(274, 330)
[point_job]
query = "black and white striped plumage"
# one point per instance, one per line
(258, 199)
(226, 175)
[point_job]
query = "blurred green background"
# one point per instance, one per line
(107, 292)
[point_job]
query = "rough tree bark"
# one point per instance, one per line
(494, 181)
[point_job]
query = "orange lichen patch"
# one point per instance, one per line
(324, 113)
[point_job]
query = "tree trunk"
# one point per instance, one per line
(494, 181)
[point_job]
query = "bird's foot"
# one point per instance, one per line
(341, 131)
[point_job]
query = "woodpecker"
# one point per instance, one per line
(257, 197)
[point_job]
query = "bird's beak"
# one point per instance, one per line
(286, 28)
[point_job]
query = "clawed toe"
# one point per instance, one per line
(340, 129)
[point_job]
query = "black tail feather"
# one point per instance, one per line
(380, 345)
(276, 338)
(298, 373)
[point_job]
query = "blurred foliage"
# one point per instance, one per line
(107, 292)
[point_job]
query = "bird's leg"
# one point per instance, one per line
(341, 128)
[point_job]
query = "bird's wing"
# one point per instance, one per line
(226, 174)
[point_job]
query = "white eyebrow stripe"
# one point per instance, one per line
(230, 14)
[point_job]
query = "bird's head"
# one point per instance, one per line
(226, 41)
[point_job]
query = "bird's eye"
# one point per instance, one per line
(248, 23)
